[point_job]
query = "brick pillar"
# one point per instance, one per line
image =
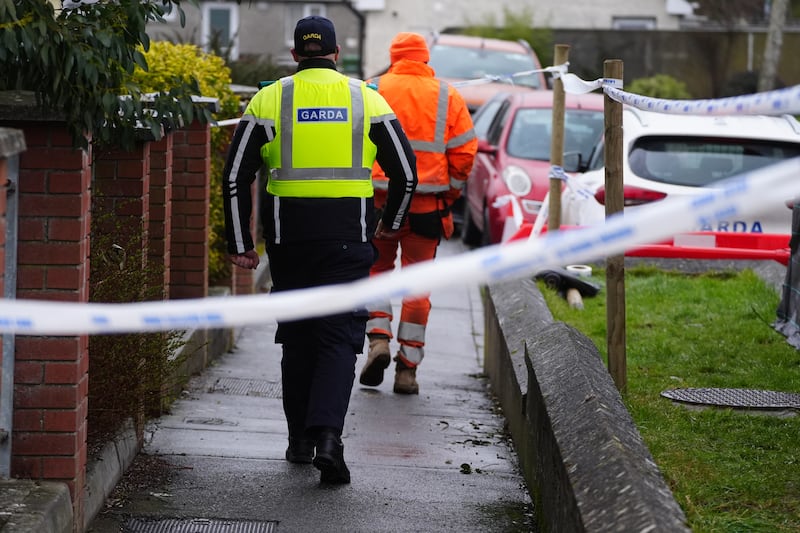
(122, 195)
(190, 212)
(160, 226)
(51, 373)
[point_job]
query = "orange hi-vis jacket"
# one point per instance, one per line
(438, 125)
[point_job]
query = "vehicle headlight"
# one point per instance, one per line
(517, 180)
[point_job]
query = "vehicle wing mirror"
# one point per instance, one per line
(486, 148)
(572, 162)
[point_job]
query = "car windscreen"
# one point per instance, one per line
(700, 161)
(529, 137)
(475, 63)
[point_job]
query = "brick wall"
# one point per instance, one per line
(160, 226)
(164, 187)
(190, 197)
(51, 373)
(122, 197)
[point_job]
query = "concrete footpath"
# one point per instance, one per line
(440, 461)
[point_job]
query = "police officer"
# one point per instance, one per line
(318, 132)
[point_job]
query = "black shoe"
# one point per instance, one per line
(300, 451)
(329, 459)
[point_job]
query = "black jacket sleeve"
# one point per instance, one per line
(244, 161)
(397, 159)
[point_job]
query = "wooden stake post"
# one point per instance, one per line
(560, 56)
(615, 265)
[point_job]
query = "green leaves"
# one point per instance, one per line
(78, 61)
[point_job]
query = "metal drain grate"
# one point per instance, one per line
(741, 398)
(198, 525)
(247, 387)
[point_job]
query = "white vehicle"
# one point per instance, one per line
(667, 155)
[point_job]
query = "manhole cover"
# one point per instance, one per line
(247, 387)
(198, 525)
(740, 398)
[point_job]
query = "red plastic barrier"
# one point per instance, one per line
(705, 245)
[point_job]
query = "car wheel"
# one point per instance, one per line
(470, 234)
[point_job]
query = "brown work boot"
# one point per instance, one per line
(405, 378)
(378, 358)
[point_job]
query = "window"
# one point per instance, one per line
(700, 161)
(633, 23)
(473, 63)
(221, 28)
(531, 132)
(297, 12)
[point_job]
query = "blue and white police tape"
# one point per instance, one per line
(778, 102)
(746, 194)
(575, 85)
(508, 78)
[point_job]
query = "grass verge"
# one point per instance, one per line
(730, 470)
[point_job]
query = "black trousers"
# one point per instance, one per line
(319, 354)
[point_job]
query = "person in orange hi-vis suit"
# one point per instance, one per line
(438, 124)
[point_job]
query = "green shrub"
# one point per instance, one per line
(252, 70)
(129, 372)
(171, 64)
(77, 61)
(660, 86)
(515, 26)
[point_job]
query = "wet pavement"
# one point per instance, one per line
(440, 461)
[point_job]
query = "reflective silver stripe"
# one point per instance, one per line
(377, 119)
(382, 307)
(456, 183)
(431, 189)
(287, 170)
(336, 173)
(381, 323)
(464, 138)
(287, 121)
(408, 331)
(363, 220)
(276, 216)
(441, 115)
(381, 185)
(408, 172)
(357, 110)
(428, 146)
(437, 145)
(411, 354)
(250, 124)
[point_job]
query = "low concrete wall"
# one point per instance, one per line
(587, 467)
(35, 506)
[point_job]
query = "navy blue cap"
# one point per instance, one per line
(318, 30)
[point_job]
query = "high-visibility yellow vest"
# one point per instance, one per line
(322, 147)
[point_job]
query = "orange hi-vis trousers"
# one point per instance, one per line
(414, 248)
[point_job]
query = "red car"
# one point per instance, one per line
(510, 177)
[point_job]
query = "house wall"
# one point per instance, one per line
(426, 16)
(263, 25)
(263, 29)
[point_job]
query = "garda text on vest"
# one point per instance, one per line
(322, 114)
